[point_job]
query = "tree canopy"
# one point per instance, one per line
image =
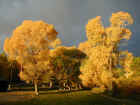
(103, 51)
(29, 45)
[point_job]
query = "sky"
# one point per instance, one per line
(69, 17)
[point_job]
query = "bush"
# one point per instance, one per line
(98, 90)
(127, 86)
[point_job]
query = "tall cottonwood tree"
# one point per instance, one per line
(30, 44)
(102, 48)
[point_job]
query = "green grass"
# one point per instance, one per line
(53, 97)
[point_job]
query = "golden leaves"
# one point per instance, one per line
(127, 61)
(30, 45)
(121, 19)
(85, 47)
(102, 50)
(95, 30)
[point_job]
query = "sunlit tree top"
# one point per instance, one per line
(121, 19)
(31, 37)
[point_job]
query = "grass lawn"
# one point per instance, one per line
(54, 97)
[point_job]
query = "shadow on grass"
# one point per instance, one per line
(52, 91)
(73, 97)
(80, 98)
(47, 90)
(29, 89)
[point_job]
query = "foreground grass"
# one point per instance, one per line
(53, 97)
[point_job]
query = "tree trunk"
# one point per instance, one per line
(64, 85)
(10, 79)
(50, 84)
(9, 87)
(79, 86)
(110, 69)
(36, 87)
(69, 87)
(21, 68)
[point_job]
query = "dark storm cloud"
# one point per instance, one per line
(13, 12)
(69, 17)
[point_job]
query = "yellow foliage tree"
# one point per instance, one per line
(30, 44)
(102, 48)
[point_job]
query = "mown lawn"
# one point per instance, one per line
(54, 97)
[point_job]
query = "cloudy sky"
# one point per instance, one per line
(68, 16)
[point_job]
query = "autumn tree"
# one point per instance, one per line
(130, 85)
(4, 68)
(65, 64)
(102, 48)
(8, 70)
(85, 47)
(136, 64)
(13, 70)
(30, 44)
